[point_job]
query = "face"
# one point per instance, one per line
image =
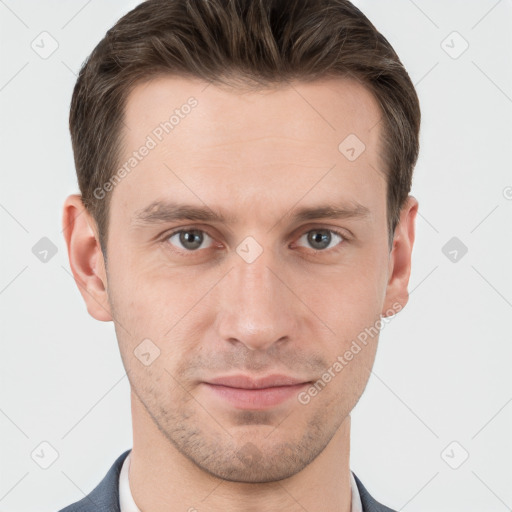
(226, 265)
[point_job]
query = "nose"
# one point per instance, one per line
(256, 305)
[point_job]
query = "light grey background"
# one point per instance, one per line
(442, 371)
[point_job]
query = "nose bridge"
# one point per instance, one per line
(256, 307)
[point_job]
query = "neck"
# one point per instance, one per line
(162, 479)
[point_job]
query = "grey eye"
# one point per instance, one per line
(320, 239)
(189, 239)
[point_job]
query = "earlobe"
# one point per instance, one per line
(397, 294)
(85, 257)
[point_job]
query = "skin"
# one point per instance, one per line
(256, 156)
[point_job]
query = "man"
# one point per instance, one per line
(245, 221)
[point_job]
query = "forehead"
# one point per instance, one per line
(215, 143)
(330, 107)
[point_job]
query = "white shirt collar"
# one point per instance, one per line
(125, 495)
(128, 504)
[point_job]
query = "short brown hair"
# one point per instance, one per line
(255, 42)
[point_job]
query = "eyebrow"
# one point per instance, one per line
(167, 211)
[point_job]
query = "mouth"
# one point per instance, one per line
(245, 392)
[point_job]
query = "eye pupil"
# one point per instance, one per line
(191, 239)
(321, 236)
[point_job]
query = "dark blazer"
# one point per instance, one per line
(105, 496)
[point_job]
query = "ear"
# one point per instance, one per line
(85, 257)
(399, 267)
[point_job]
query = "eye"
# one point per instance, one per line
(321, 239)
(192, 240)
(189, 239)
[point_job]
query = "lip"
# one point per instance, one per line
(247, 382)
(245, 392)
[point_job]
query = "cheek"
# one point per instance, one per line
(163, 305)
(349, 297)
(141, 290)
(349, 302)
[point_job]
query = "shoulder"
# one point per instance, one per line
(369, 503)
(105, 496)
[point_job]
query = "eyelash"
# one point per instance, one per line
(315, 252)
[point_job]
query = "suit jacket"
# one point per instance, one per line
(105, 496)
